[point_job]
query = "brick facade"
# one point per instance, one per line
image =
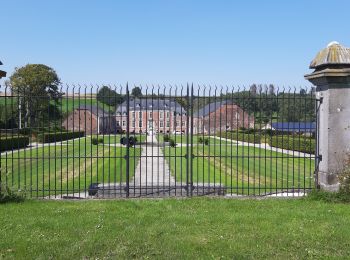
(85, 120)
(225, 117)
(158, 121)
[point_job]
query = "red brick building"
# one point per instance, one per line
(221, 116)
(152, 115)
(91, 120)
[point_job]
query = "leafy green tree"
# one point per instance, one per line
(136, 92)
(37, 87)
(109, 96)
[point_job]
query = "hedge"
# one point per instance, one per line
(59, 136)
(301, 144)
(241, 136)
(13, 142)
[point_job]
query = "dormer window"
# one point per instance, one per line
(137, 105)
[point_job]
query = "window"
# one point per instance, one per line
(183, 123)
(118, 123)
(140, 123)
(237, 115)
(167, 114)
(161, 114)
(177, 123)
(140, 114)
(161, 123)
(133, 123)
(150, 114)
(124, 123)
(167, 123)
(133, 115)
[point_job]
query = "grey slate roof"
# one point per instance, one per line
(95, 110)
(301, 127)
(151, 104)
(211, 107)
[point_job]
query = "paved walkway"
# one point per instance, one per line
(152, 169)
(268, 147)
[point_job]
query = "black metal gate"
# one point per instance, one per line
(110, 141)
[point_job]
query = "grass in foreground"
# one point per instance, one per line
(175, 229)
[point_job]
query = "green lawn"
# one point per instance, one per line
(182, 139)
(263, 172)
(111, 139)
(69, 167)
(67, 103)
(198, 228)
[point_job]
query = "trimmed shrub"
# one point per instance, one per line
(13, 142)
(241, 136)
(59, 136)
(172, 143)
(100, 141)
(7, 195)
(200, 140)
(166, 138)
(94, 141)
(300, 144)
(206, 141)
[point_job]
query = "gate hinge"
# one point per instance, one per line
(320, 157)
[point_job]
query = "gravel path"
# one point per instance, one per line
(152, 169)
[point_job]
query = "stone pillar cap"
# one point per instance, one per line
(333, 54)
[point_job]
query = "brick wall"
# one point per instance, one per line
(81, 120)
(227, 117)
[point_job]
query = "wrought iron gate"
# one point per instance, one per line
(110, 141)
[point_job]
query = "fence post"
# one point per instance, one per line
(127, 156)
(332, 80)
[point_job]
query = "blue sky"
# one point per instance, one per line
(172, 42)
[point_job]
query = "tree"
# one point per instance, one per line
(136, 92)
(253, 89)
(37, 88)
(271, 89)
(109, 96)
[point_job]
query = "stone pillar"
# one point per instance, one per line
(332, 80)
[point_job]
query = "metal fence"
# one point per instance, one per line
(108, 141)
